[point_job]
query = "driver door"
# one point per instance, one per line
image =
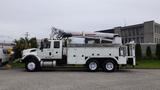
(45, 52)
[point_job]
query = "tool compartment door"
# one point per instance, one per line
(76, 55)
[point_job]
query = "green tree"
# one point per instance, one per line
(33, 43)
(158, 51)
(149, 52)
(23, 43)
(138, 51)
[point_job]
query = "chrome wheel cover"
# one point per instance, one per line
(93, 66)
(31, 65)
(109, 66)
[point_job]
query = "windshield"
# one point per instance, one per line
(45, 44)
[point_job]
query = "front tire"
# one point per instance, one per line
(32, 65)
(93, 65)
(109, 66)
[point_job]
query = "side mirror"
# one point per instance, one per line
(41, 48)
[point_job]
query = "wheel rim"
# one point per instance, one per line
(93, 66)
(109, 66)
(31, 66)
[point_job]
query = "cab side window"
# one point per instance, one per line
(56, 44)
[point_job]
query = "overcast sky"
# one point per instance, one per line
(38, 16)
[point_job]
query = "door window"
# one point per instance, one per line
(47, 45)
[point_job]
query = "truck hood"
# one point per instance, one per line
(29, 51)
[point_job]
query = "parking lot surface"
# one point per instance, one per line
(128, 79)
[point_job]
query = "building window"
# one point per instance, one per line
(122, 33)
(155, 29)
(129, 39)
(126, 34)
(137, 32)
(125, 40)
(134, 39)
(133, 32)
(155, 40)
(142, 39)
(129, 32)
(137, 39)
(158, 28)
(141, 31)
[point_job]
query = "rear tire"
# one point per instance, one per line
(109, 66)
(93, 65)
(32, 65)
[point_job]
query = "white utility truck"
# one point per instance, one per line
(94, 50)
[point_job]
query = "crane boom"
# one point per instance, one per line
(58, 34)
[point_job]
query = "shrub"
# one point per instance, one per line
(148, 52)
(158, 51)
(138, 51)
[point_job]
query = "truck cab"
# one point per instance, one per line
(51, 49)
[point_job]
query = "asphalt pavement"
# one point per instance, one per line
(127, 79)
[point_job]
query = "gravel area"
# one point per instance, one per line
(128, 79)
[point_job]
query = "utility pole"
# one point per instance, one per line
(3, 43)
(27, 34)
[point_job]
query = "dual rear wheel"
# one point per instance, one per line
(108, 65)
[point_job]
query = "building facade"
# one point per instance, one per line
(147, 32)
